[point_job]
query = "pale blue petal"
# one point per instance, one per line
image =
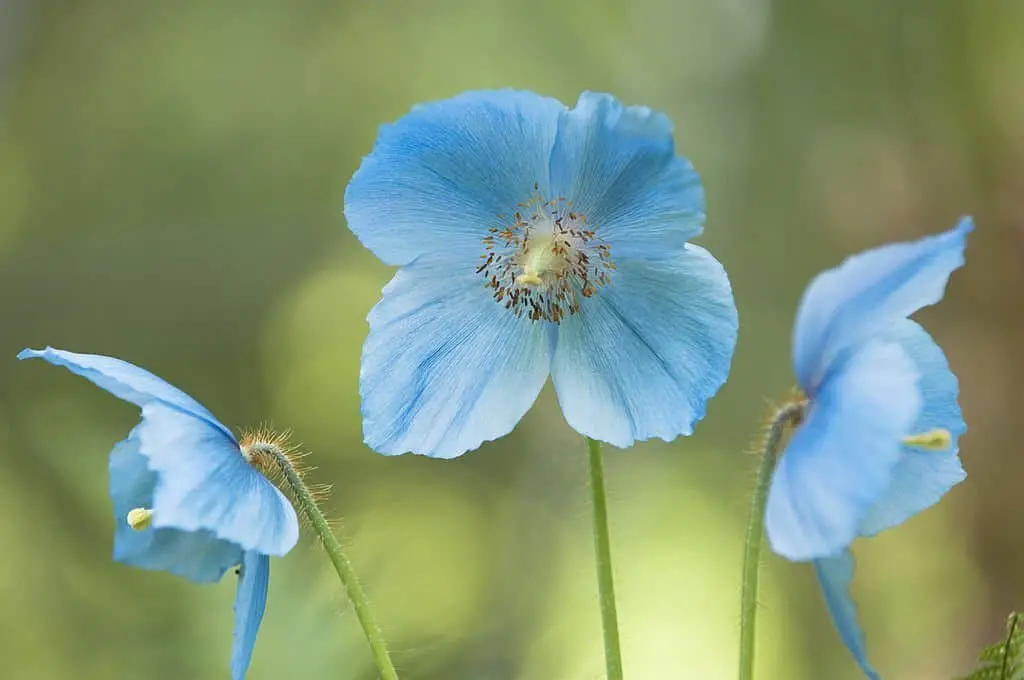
(196, 555)
(445, 366)
(618, 166)
(437, 179)
(250, 602)
(922, 477)
(124, 380)
(644, 355)
(840, 461)
(869, 292)
(205, 483)
(835, 575)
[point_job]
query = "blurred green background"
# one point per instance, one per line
(171, 178)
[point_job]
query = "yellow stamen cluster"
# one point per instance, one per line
(139, 518)
(933, 440)
(544, 260)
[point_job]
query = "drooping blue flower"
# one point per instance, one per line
(186, 499)
(536, 240)
(878, 441)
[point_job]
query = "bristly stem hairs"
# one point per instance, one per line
(277, 459)
(790, 414)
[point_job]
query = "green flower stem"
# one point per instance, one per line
(790, 413)
(603, 555)
(308, 505)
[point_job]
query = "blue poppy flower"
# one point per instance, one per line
(535, 240)
(878, 440)
(186, 498)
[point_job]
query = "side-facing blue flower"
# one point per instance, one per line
(878, 438)
(535, 240)
(186, 499)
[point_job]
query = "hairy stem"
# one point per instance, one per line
(307, 505)
(603, 555)
(790, 413)
(1005, 662)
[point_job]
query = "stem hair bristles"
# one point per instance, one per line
(781, 421)
(275, 455)
(275, 450)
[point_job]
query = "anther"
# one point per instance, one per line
(140, 518)
(544, 260)
(938, 439)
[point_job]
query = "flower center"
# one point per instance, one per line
(540, 257)
(544, 260)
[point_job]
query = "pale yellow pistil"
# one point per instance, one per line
(932, 440)
(529, 277)
(140, 518)
(538, 259)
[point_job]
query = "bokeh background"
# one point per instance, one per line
(171, 179)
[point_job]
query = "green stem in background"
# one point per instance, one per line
(603, 555)
(307, 504)
(790, 413)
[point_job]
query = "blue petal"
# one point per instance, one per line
(123, 380)
(250, 601)
(835, 574)
(619, 167)
(867, 294)
(196, 555)
(644, 355)
(922, 477)
(840, 461)
(446, 367)
(439, 177)
(205, 483)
